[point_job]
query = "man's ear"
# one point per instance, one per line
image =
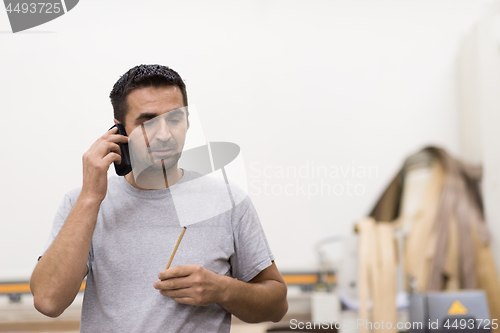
(116, 121)
(188, 122)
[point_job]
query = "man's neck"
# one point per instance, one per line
(172, 176)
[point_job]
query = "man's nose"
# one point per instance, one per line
(163, 132)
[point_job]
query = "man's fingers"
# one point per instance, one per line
(112, 135)
(185, 292)
(173, 284)
(107, 139)
(118, 138)
(182, 296)
(113, 147)
(199, 285)
(112, 130)
(178, 271)
(112, 157)
(104, 148)
(185, 300)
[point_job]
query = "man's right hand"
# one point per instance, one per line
(96, 162)
(58, 275)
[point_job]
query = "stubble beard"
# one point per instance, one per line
(168, 164)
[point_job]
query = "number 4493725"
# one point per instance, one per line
(40, 7)
(462, 324)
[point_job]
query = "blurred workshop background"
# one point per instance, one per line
(332, 104)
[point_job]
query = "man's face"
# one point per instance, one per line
(153, 114)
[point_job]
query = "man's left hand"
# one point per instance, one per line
(192, 284)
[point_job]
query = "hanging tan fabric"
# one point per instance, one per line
(377, 275)
(366, 245)
(452, 268)
(487, 276)
(421, 242)
(453, 200)
(448, 245)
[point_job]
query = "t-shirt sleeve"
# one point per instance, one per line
(61, 216)
(251, 249)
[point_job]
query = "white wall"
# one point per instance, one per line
(480, 101)
(297, 84)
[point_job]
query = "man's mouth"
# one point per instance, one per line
(162, 152)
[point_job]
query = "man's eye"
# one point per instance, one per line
(174, 121)
(146, 121)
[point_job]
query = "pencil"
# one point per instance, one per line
(176, 246)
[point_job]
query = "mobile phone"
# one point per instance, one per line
(125, 166)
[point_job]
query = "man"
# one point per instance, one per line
(120, 235)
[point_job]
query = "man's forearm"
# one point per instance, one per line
(58, 275)
(255, 302)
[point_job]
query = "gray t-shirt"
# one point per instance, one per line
(134, 236)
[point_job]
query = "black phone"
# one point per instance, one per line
(125, 166)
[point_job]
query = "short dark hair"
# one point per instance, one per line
(139, 77)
